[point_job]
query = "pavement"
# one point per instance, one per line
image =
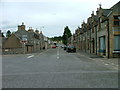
(104, 60)
(55, 68)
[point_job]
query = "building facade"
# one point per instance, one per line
(100, 35)
(24, 41)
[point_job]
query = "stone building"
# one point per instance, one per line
(101, 34)
(108, 34)
(24, 41)
(77, 38)
(2, 40)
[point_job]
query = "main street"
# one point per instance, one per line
(55, 68)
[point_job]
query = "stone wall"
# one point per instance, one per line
(13, 51)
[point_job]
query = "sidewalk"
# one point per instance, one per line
(105, 60)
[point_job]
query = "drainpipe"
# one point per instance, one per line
(85, 41)
(90, 40)
(108, 32)
(96, 38)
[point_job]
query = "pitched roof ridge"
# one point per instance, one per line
(17, 36)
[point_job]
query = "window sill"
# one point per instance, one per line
(101, 51)
(116, 51)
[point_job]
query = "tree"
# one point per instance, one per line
(67, 34)
(56, 38)
(8, 33)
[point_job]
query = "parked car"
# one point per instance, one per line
(65, 47)
(53, 46)
(71, 49)
(62, 46)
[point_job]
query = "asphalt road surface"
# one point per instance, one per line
(55, 68)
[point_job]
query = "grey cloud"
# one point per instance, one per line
(9, 27)
(53, 15)
(5, 22)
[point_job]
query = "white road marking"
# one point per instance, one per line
(57, 57)
(106, 64)
(30, 56)
(58, 53)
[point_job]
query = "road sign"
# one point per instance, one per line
(24, 37)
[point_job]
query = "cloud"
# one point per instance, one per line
(5, 22)
(41, 0)
(53, 14)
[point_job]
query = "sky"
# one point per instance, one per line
(48, 16)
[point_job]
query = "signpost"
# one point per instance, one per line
(24, 41)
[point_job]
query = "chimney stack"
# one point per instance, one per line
(97, 11)
(37, 31)
(92, 14)
(30, 29)
(21, 27)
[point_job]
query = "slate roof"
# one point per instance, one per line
(106, 11)
(30, 36)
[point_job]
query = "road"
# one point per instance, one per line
(55, 68)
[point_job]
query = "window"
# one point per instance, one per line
(102, 44)
(117, 42)
(116, 20)
(116, 23)
(116, 17)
